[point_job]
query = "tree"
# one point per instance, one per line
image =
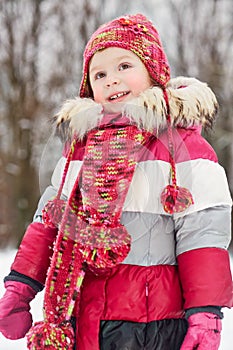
(20, 105)
(42, 44)
(29, 89)
(202, 47)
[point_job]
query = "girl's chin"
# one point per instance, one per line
(113, 107)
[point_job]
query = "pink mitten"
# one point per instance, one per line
(204, 332)
(15, 318)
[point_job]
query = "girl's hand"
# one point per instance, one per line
(204, 332)
(15, 318)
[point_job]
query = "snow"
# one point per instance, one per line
(6, 258)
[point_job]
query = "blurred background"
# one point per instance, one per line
(41, 46)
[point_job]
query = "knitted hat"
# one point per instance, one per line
(135, 33)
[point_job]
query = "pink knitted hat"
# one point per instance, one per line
(135, 33)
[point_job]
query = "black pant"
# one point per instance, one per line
(157, 335)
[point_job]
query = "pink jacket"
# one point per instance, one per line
(176, 261)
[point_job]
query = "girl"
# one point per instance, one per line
(139, 228)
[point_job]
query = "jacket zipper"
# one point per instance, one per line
(147, 289)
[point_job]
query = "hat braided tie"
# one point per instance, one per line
(174, 198)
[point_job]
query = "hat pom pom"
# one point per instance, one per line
(176, 199)
(44, 335)
(53, 212)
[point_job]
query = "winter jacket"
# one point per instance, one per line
(176, 262)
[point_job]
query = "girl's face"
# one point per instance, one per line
(116, 76)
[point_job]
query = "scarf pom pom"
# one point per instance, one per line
(100, 260)
(176, 199)
(53, 212)
(104, 247)
(44, 335)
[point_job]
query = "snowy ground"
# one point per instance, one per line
(6, 258)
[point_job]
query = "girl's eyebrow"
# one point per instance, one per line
(96, 68)
(124, 57)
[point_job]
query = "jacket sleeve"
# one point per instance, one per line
(33, 257)
(203, 231)
(203, 260)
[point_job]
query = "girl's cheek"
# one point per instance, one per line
(97, 96)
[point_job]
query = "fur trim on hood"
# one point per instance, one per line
(191, 103)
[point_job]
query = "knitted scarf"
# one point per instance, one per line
(90, 233)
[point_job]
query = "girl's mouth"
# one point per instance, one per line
(118, 96)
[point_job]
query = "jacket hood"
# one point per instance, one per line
(192, 103)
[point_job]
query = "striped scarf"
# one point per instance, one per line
(90, 233)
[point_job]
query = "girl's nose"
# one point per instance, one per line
(112, 80)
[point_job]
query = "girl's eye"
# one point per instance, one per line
(124, 66)
(99, 75)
